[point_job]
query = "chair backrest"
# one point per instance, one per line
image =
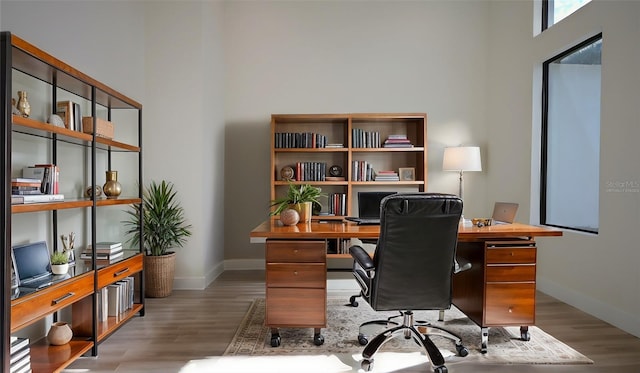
(414, 257)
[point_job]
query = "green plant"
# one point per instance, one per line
(163, 220)
(59, 257)
(297, 193)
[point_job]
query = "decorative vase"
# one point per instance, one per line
(59, 334)
(112, 187)
(304, 210)
(289, 217)
(158, 275)
(23, 104)
(60, 269)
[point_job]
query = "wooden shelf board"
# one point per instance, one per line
(48, 358)
(113, 323)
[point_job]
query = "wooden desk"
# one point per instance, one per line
(499, 289)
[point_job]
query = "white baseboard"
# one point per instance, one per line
(198, 283)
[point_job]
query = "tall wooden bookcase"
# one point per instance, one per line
(75, 298)
(321, 141)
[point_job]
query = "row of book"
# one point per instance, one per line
(20, 355)
(337, 203)
(365, 139)
(300, 140)
(115, 299)
(310, 171)
(106, 252)
(361, 171)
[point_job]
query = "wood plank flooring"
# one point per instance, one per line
(191, 325)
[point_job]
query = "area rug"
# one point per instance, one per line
(340, 337)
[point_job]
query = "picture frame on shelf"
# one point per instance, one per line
(407, 173)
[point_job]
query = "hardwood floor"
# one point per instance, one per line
(193, 325)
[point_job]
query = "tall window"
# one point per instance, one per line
(553, 11)
(571, 138)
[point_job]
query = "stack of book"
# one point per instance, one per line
(397, 141)
(387, 176)
(39, 183)
(106, 252)
(20, 359)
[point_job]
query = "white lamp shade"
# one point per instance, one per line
(462, 158)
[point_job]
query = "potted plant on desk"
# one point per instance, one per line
(301, 198)
(164, 228)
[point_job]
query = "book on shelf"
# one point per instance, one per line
(25, 182)
(17, 356)
(66, 111)
(101, 256)
(48, 174)
(36, 198)
(21, 366)
(18, 344)
(19, 191)
(105, 247)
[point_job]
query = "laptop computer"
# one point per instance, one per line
(369, 207)
(504, 212)
(32, 265)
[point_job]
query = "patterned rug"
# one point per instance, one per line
(340, 337)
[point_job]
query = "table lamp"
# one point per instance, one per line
(461, 159)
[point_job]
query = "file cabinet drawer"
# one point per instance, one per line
(511, 255)
(296, 308)
(295, 251)
(119, 270)
(510, 304)
(308, 275)
(511, 273)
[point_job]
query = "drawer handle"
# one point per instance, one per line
(295, 251)
(512, 254)
(68, 295)
(510, 309)
(295, 273)
(125, 270)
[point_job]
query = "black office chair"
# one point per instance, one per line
(411, 270)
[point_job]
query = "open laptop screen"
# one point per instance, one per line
(369, 204)
(31, 261)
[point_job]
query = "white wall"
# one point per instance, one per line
(339, 57)
(596, 273)
(168, 56)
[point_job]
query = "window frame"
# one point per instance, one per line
(545, 129)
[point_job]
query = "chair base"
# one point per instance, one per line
(420, 331)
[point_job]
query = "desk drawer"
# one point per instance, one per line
(32, 307)
(295, 251)
(308, 275)
(296, 308)
(510, 304)
(511, 255)
(509, 273)
(119, 270)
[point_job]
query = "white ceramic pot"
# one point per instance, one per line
(59, 334)
(60, 269)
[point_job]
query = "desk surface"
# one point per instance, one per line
(273, 228)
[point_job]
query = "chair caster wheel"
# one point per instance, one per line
(462, 351)
(525, 336)
(366, 365)
(353, 302)
(275, 340)
(441, 369)
(362, 340)
(318, 339)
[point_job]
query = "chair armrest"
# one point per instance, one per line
(461, 265)
(361, 257)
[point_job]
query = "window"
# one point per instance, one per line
(553, 11)
(570, 164)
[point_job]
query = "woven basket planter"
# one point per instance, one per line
(158, 275)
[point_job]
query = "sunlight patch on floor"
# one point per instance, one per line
(385, 362)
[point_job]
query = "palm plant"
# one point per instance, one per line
(164, 225)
